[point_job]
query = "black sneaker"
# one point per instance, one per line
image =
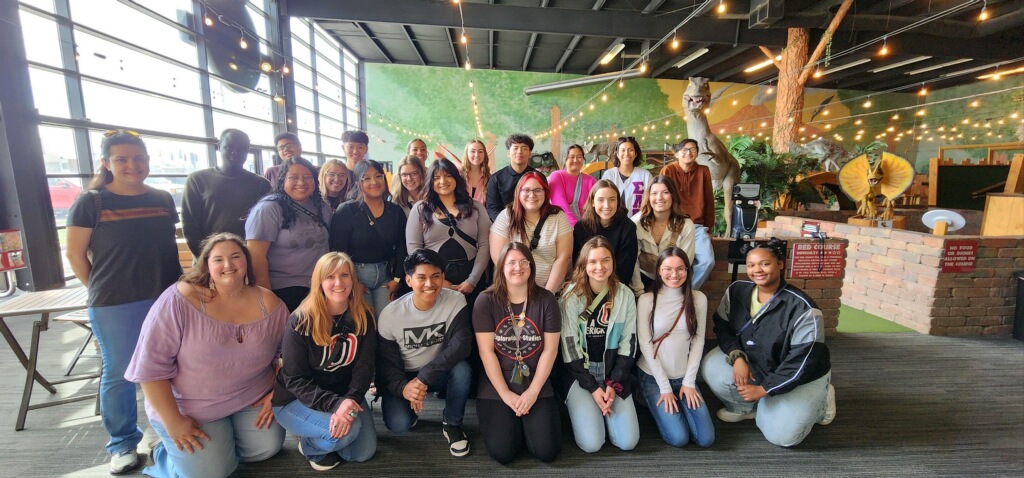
(458, 443)
(328, 462)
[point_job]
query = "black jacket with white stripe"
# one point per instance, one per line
(785, 346)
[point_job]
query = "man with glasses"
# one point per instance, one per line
(697, 195)
(288, 147)
(501, 188)
(218, 199)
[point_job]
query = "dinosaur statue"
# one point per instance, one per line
(599, 149)
(865, 178)
(830, 155)
(725, 170)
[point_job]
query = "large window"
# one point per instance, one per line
(158, 67)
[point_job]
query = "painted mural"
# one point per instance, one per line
(437, 104)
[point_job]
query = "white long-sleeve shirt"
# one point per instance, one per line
(680, 353)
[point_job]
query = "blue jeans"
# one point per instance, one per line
(589, 426)
(313, 428)
(233, 439)
(374, 276)
(398, 414)
(677, 428)
(117, 329)
(704, 257)
(786, 419)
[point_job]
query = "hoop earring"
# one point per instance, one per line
(246, 282)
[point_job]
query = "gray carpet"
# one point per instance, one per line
(908, 405)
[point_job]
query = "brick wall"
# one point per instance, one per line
(913, 215)
(896, 275)
(825, 292)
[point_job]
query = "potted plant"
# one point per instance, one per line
(779, 175)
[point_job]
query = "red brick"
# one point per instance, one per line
(958, 302)
(1012, 252)
(965, 292)
(936, 331)
(992, 263)
(934, 241)
(989, 282)
(998, 330)
(948, 321)
(987, 252)
(984, 321)
(1018, 262)
(987, 301)
(998, 242)
(828, 303)
(1003, 310)
(963, 331)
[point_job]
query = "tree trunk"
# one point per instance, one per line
(789, 101)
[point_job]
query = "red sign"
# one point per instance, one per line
(813, 260)
(960, 255)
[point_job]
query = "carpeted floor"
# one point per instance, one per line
(908, 405)
(853, 321)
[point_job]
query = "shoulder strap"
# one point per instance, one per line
(98, 201)
(535, 240)
(657, 342)
(317, 217)
(576, 196)
(455, 225)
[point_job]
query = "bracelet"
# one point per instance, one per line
(735, 354)
(615, 385)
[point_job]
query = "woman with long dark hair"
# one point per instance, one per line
(604, 216)
(627, 175)
(532, 220)
(599, 348)
(661, 224)
(214, 330)
(570, 187)
(371, 230)
(771, 362)
(451, 223)
(120, 244)
(517, 326)
(287, 231)
(671, 319)
(328, 354)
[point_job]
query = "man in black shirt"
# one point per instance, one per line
(501, 188)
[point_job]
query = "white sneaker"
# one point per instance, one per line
(726, 415)
(830, 406)
(124, 462)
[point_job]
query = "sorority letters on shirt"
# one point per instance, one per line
(340, 353)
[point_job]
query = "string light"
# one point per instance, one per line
(885, 47)
(207, 20)
(462, 38)
(675, 41)
(984, 12)
(242, 43)
(721, 6)
(621, 84)
(266, 67)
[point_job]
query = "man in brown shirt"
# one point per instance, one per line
(698, 201)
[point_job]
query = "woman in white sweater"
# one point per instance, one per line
(670, 330)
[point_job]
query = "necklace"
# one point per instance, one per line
(520, 369)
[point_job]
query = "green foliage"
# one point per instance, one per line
(873, 149)
(775, 172)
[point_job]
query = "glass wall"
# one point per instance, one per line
(177, 71)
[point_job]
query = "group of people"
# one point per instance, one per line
(313, 286)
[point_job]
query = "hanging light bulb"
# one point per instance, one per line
(675, 42)
(266, 67)
(621, 84)
(467, 65)
(984, 12)
(771, 89)
(867, 104)
(242, 43)
(207, 21)
(817, 73)
(285, 70)
(721, 6)
(462, 38)
(643, 67)
(885, 47)
(604, 97)
(923, 91)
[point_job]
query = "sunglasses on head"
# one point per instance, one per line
(113, 132)
(626, 138)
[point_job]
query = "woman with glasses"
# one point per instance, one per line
(476, 170)
(570, 187)
(671, 319)
(215, 330)
(334, 183)
(630, 179)
(451, 223)
(661, 224)
(328, 351)
(693, 181)
(604, 216)
(371, 230)
(532, 220)
(287, 231)
(407, 187)
(120, 244)
(598, 348)
(517, 326)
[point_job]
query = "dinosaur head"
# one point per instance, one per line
(875, 173)
(697, 95)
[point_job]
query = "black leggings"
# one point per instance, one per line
(504, 432)
(292, 296)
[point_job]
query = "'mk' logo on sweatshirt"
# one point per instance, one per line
(420, 337)
(638, 196)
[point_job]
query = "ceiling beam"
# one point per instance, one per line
(599, 4)
(490, 48)
(380, 46)
(712, 62)
(415, 46)
(452, 41)
(597, 62)
(551, 20)
(533, 41)
(676, 59)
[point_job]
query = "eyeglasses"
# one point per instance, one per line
(627, 138)
(522, 263)
(669, 270)
(299, 179)
(531, 192)
(287, 146)
(112, 132)
(409, 175)
(689, 150)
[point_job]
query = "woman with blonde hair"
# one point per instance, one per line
(599, 348)
(334, 182)
(407, 185)
(206, 360)
(476, 169)
(328, 351)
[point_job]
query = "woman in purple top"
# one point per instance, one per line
(570, 187)
(206, 360)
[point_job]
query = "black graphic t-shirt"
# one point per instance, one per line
(322, 377)
(597, 329)
(512, 337)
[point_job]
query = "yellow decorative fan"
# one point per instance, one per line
(863, 179)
